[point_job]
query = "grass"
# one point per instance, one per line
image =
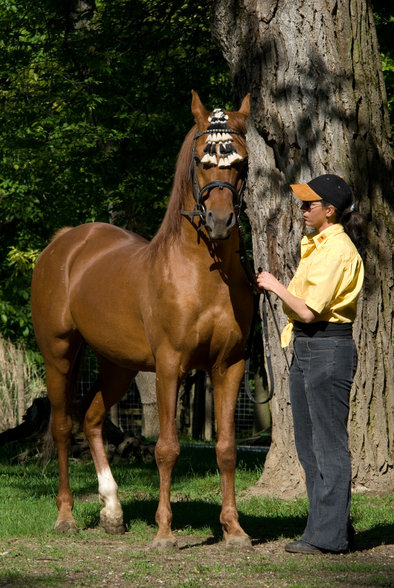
(31, 554)
(31, 490)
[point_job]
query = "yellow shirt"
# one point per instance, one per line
(329, 278)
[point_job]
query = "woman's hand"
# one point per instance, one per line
(267, 281)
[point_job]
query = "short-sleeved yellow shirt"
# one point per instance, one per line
(329, 278)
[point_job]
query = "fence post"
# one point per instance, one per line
(20, 385)
(114, 415)
(198, 422)
(146, 384)
(208, 410)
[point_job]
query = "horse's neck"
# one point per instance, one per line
(181, 241)
(196, 246)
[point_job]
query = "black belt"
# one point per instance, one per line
(323, 329)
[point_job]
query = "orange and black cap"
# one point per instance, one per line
(328, 187)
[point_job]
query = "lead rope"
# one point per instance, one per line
(259, 300)
(259, 303)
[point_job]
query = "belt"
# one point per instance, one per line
(323, 329)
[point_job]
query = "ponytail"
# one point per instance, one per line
(354, 224)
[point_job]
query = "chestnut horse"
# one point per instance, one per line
(179, 302)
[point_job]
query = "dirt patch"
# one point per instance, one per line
(93, 559)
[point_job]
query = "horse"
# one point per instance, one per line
(179, 302)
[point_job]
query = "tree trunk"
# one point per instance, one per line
(318, 106)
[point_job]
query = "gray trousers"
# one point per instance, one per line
(321, 377)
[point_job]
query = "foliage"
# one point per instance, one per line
(95, 104)
(384, 21)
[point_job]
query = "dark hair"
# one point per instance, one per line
(355, 225)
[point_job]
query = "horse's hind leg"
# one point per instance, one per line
(59, 382)
(112, 384)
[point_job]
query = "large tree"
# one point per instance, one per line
(318, 106)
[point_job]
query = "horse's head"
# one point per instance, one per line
(219, 166)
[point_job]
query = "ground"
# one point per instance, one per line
(93, 559)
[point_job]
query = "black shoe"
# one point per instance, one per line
(302, 547)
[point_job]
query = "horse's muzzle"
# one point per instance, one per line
(217, 226)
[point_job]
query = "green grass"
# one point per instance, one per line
(32, 555)
(29, 493)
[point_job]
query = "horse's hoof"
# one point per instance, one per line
(62, 527)
(162, 545)
(239, 542)
(113, 525)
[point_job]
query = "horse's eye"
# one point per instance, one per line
(197, 160)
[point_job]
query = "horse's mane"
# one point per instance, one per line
(171, 224)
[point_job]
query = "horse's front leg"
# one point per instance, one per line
(166, 452)
(112, 384)
(226, 383)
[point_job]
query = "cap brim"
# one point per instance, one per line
(304, 192)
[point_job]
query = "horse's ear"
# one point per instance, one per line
(245, 106)
(199, 111)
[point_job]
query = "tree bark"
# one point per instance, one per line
(318, 106)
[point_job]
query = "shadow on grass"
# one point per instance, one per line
(31, 580)
(198, 515)
(382, 534)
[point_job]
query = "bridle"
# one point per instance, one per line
(198, 193)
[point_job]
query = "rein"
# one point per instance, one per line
(259, 303)
(259, 300)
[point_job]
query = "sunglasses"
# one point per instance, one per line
(308, 205)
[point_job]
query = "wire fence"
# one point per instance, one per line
(193, 407)
(21, 381)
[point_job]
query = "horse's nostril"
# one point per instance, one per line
(219, 225)
(210, 220)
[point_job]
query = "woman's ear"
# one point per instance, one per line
(330, 210)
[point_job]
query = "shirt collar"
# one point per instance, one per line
(317, 239)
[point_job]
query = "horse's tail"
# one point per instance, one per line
(60, 232)
(48, 445)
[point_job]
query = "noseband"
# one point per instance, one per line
(198, 193)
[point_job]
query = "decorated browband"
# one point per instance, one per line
(219, 141)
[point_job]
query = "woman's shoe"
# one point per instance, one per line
(301, 547)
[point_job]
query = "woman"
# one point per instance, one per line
(321, 303)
